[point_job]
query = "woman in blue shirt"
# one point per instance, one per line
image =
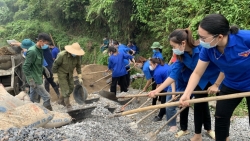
(143, 64)
(156, 50)
(116, 65)
(161, 72)
(228, 48)
(188, 55)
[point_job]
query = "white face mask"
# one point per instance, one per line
(151, 68)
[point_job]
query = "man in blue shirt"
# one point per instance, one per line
(132, 45)
(54, 51)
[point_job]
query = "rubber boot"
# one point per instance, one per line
(57, 91)
(61, 100)
(48, 105)
(68, 106)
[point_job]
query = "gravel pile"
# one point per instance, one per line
(103, 128)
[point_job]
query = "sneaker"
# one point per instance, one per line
(157, 118)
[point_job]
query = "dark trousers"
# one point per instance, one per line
(201, 112)
(154, 100)
(49, 81)
(162, 110)
(122, 82)
(224, 111)
(128, 78)
(184, 119)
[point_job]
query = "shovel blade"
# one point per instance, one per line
(151, 136)
(92, 100)
(80, 114)
(108, 95)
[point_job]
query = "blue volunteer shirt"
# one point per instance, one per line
(116, 64)
(210, 75)
(135, 48)
(123, 49)
(161, 73)
(126, 63)
(54, 52)
(147, 72)
(48, 57)
(235, 62)
(157, 55)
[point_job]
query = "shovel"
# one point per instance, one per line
(101, 88)
(80, 114)
(177, 103)
(124, 106)
(91, 85)
(134, 124)
(111, 96)
(152, 135)
(161, 94)
(94, 72)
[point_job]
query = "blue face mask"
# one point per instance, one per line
(178, 52)
(45, 46)
(73, 55)
(207, 45)
(154, 51)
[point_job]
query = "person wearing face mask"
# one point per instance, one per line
(228, 48)
(33, 68)
(63, 69)
(143, 64)
(161, 72)
(49, 80)
(188, 55)
(157, 50)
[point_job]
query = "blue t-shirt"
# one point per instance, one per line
(161, 73)
(157, 55)
(210, 75)
(123, 49)
(147, 72)
(135, 48)
(235, 62)
(126, 63)
(116, 64)
(48, 57)
(54, 52)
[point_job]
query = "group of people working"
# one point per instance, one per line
(44, 59)
(217, 61)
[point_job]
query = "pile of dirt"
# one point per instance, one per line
(89, 79)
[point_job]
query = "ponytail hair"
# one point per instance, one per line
(179, 35)
(216, 24)
(157, 61)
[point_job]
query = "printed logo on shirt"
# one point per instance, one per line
(245, 53)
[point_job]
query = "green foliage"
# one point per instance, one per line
(241, 109)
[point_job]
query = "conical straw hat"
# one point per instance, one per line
(74, 49)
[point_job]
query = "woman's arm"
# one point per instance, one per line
(194, 80)
(215, 87)
(149, 81)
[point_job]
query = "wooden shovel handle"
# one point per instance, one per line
(162, 94)
(100, 79)
(198, 100)
(94, 72)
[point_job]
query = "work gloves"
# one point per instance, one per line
(46, 72)
(55, 76)
(80, 78)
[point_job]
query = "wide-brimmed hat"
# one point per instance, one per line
(156, 45)
(74, 49)
(27, 43)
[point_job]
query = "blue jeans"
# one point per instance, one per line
(39, 90)
(170, 111)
